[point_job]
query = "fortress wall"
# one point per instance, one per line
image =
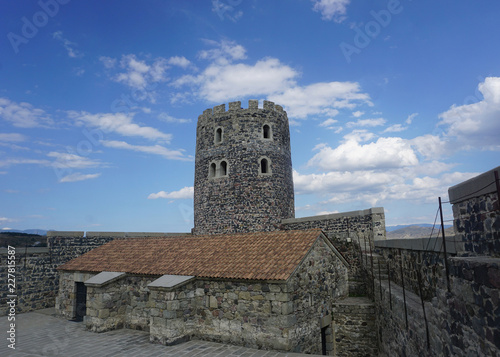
(346, 231)
(476, 212)
(36, 276)
(464, 318)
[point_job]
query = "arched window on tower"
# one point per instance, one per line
(218, 135)
(223, 168)
(264, 166)
(266, 132)
(212, 170)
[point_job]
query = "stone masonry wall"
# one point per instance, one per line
(462, 322)
(257, 314)
(476, 212)
(244, 199)
(346, 231)
(354, 327)
(121, 304)
(261, 314)
(321, 279)
(463, 311)
(37, 278)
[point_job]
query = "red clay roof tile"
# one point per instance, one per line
(255, 256)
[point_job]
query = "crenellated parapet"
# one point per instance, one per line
(235, 108)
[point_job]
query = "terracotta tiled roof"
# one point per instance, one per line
(256, 256)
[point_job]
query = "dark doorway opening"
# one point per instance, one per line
(323, 340)
(81, 301)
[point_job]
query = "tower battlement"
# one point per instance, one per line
(253, 106)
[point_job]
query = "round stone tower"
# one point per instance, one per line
(243, 170)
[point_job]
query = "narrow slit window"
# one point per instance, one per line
(223, 168)
(266, 132)
(218, 135)
(212, 170)
(264, 166)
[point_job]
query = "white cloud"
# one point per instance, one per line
(68, 45)
(410, 118)
(399, 127)
(120, 123)
(138, 74)
(23, 115)
(5, 219)
(477, 125)
(226, 10)
(12, 137)
(223, 80)
(23, 161)
(331, 9)
(351, 155)
(68, 160)
(108, 62)
(180, 61)
(357, 113)
(170, 119)
(328, 122)
(430, 146)
(225, 51)
(320, 98)
(366, 122)
(155, 149)
(183, 193)
(78, 177)
(219, 83)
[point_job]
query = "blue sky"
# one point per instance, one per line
(390, 103)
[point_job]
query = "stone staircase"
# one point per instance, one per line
(354, 318)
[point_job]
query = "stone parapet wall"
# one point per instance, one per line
(461, 322)
(476, 212)
(37, 279)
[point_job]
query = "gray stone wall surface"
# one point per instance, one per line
(320, 280)
(244, 199)
(477, 216)
(37, 281)
(347, 231)
(37, 278)
(354, 327)
(123, 303)
(461, 322)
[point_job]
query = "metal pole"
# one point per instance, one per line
(403, 285)
(419, 277)
(380, 280)
(498, 184)
(390, 292)
(373, 270)
(444, 248)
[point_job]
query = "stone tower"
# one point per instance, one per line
(243, 171)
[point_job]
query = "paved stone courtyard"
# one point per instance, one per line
(41, 334)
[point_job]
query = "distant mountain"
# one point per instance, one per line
(418, 231)
(393, 228)
(40, 232)
(19, 239)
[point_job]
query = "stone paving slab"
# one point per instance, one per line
(40, 333)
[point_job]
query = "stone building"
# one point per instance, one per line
(271, 290)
